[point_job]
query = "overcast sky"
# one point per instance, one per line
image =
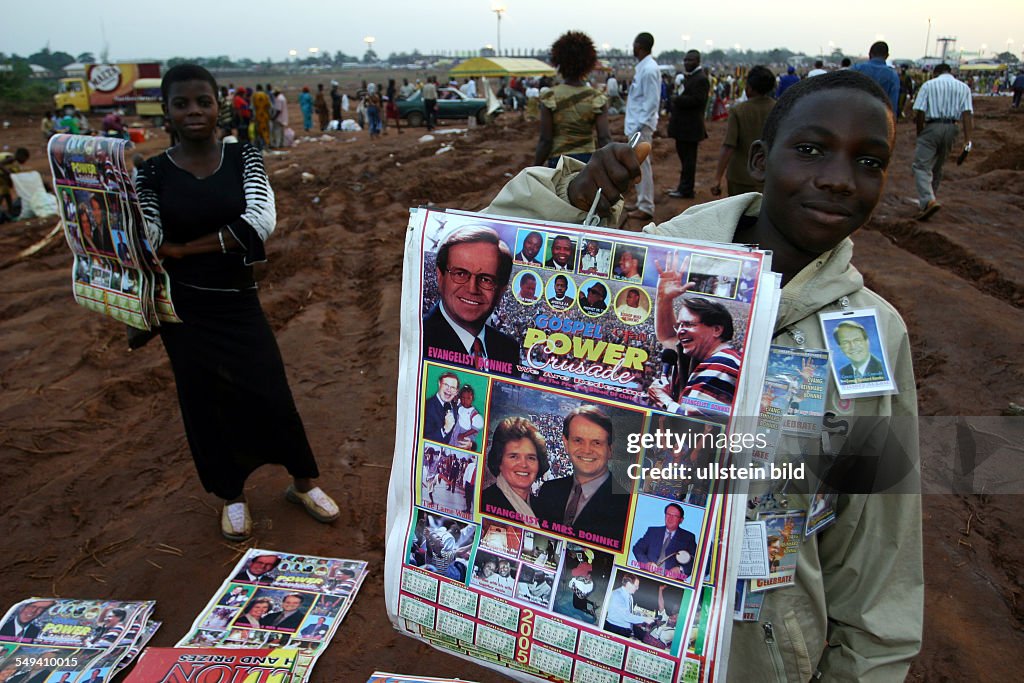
(256, 28)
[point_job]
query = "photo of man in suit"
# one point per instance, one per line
(532, 244)
(667, 549)
(589, 502)
(563, 252)
(473, 270)
(853, 340)
(288, 617)
(258, 570)
(317, 630)
(439, 413)
(20, 627)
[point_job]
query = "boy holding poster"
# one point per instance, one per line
(854, 611)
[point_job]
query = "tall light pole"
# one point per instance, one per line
(369, 40)
(686, 42)
(498, 11)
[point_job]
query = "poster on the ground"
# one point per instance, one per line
(279, 600)
(252, 665)
(68, 640)
(570, 421)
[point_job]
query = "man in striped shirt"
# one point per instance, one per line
(941, 103)
(708, 366)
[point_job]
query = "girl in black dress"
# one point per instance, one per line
(209, 208)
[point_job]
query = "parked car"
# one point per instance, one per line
(451, 104)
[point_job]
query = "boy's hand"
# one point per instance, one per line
(614, 169)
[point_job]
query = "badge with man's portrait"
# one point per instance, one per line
(858, 359)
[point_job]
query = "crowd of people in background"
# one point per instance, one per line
(259, 114)
(573, 107)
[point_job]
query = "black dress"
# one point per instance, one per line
(235, 401)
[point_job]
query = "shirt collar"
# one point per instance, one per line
(464, 335)
(860, 368)
(591, 487)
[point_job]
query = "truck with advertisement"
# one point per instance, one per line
(105, 86)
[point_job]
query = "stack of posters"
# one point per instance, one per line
(115, 270)
(275, 600)
(67, 640)
(569, 438)
(252, 665)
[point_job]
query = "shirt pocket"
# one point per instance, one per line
(794, 647)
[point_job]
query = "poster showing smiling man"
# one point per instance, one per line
(543, 366)
(493, 304)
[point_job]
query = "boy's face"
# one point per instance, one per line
(825, 171)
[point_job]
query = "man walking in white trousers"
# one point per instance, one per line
(642, 115)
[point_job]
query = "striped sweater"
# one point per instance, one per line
(712, 382)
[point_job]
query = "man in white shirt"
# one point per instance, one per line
(621, 618)
(595, 260)
(940, 104)
(468, 88)
(818, 70)
(469, 482)
(611, 87)
(631, 311)
(642, 115)
(280, 121)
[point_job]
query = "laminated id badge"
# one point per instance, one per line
(860, 366)
(805, 374)
(822, 510)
